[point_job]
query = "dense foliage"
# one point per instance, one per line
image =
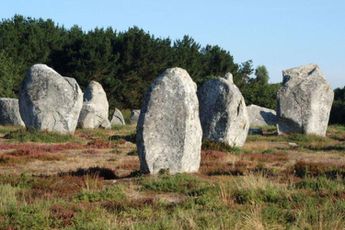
(338, 108)
(125, 63)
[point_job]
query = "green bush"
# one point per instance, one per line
(8, 199)
(29, 216)
(108, 194)
(320, 184)
(94, 219)
(179, 183)
(219, 146)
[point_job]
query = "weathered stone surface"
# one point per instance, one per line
(49, 101)
(117, 118)
(169, 132)
(229, 77)
(134, 116)
(9, 112)
(304, 101)
(223, 112)
(261, 116)
(95, 110)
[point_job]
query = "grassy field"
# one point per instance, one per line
(92, 181)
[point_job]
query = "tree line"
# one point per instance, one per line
(338, 107)
(124, 62)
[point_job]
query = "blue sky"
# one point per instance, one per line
(276, 33)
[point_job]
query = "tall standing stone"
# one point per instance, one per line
(95, 110)
(117, 118)
(49, 101)
(223, 112)
(9, 112)
(169, 132)
(304, 101)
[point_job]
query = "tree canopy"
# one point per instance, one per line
(125, 63)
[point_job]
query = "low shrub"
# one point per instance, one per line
(219, 146)
(315, 169)
(179, 183)
(22, 135)
(113, 193)
(320, 184)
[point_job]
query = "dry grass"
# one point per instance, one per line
(95, 184)
(252, 220)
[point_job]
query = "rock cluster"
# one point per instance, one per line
(169, 132)
(174, 117)
(95, 110)
(223, 112)
(9, 112)
(304, 101)
(49, 101)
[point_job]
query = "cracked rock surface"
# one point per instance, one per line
(304, 101)
(223, 112)
(95, 111)
(169, 132)
(49, 101)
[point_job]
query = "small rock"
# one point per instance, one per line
(293, 145)
(261, 116)
(117, 118)
(9, 112)
(95, 110)
(134, 116)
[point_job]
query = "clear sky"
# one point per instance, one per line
(277, 33)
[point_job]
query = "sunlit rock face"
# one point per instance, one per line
(304, 101)
(9, 112)
(95, 111)
(223, 112)
(49, 101)
(169, 132)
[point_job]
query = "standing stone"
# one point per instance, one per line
(134, 116)
(169, 132)
(261, 116)
(117, 118)
(304, 101)
(95, 110)
(223, 112)
(49, 101)
(9, 112)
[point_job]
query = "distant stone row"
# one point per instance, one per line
(169, 132)
(51, 102)
(175, 116)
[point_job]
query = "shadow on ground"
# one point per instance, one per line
(105, 173)
(129, 138)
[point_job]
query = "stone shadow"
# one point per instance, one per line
(105, 173)
(269, 117)
(130, 138)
